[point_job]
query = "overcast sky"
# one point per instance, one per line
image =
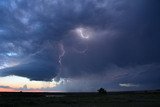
(79, 45)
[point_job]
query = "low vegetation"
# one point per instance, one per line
(119, 99)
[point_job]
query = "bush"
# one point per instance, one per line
(102, 91)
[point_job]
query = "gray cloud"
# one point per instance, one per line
(5, 87)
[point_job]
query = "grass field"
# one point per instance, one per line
(114, 99)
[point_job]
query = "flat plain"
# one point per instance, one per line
(111, 99)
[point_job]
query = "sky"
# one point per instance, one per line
(79, 45)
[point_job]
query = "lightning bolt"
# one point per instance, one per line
(82, 34)
(62, 53)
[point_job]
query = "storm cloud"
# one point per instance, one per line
(103, 43)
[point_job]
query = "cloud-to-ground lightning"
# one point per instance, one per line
(62, 53)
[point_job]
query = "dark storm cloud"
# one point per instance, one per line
(28, 25)
(126, 35)
(134, 43)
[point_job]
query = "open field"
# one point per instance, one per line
(112, 99)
